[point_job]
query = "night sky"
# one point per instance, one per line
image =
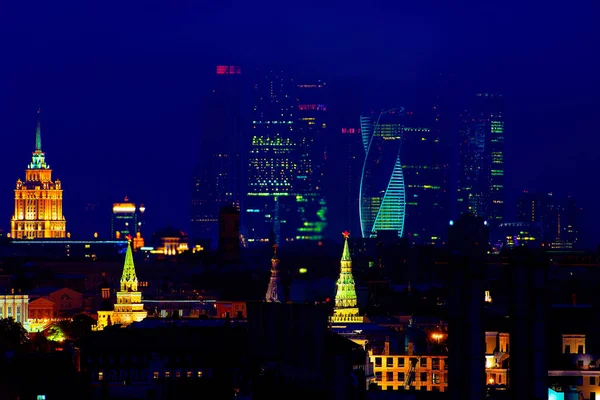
(120, 84)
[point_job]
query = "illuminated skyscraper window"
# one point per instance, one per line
(481, 178)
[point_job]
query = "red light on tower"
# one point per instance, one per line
(229, 70)
(346, 234)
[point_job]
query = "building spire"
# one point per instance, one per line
(346, 252)
(38, 133)
(129, 282)
(275, 290)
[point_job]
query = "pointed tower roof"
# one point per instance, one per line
(38, 134)
(129, 279)
(38, 160)
(346, 252)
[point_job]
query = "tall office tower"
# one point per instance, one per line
(568, 224)
(272, 160)
(345, 157)
(481, 177)
(425, 178)
(38, 200)
(346, 176)
(307, 219)
(559, 220)
(126, 221)
(468, 242)
(538, 209)
(218, 179)
(382, 191)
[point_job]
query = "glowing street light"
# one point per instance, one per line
(437, 336)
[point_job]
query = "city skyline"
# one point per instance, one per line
(133, 113)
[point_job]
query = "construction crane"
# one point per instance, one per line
(412, 370)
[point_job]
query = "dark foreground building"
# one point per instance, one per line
(170, 362)
(281, 351)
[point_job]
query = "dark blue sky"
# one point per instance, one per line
(121, 83)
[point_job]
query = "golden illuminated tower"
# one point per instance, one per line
(38, 200)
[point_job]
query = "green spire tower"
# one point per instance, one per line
(129, 281)
(346, 304)
(38, 135)
(129, 307)
(38, 158)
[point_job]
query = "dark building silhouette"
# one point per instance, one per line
(528, 308)
(229, 234)
(219, 177)
(292, 346)
(468, 242)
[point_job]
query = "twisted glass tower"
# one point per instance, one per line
(382, 192)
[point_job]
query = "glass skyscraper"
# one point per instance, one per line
(481, 178)
(311, 129)
(286, 164)
(272, 161)
(382, 189)
(425, 177)
(218, 179)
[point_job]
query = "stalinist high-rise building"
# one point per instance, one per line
(38, 200)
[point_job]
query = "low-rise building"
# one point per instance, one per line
(576, 368)
(14, 306)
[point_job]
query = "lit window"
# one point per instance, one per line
(199, 374)
(167, 374)
(178, 374)
(156, 375)
(100, 376)
(189, 374)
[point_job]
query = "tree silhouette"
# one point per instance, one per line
(81, 325)
(12, 334)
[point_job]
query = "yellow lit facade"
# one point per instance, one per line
(38, 200)
(392, 372)
(15, 306)
(430, 372)
(582, 369)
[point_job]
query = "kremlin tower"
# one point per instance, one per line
(346, 304)
(129, 307)
(275, 290)
(38, 200)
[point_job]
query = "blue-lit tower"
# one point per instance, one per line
(382, 192)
